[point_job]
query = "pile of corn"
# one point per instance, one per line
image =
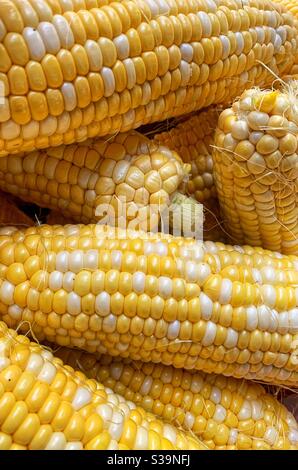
(131, 332)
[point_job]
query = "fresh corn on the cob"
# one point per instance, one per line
(256, 169)
(192, 139)
(127, 177)
(224, 413)
(154, 297)
(73, 70)
(45, 404)
(10, 214)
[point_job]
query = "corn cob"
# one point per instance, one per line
(11, 214)
(127, 176)
(73, 70)
(154, 297)
(224, 413)
(255, 169)
(192, 139)
(46, 405)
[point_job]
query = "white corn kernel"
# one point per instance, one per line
(293, 320)
(256, 410)
(206, 305)
(50, 37)
(122, 46)
(141, 442)
(146, 386)
(91, 260)
(55, 280)
(57, 441)
(105, 411)
(62, 261)
(268, 274)
(233, 437)
(68, 281)
(138, 282)
(225, 294)
(173, 330)
(47, 373)
(210, 334)
(74, 446)
(189, 420)
(116, 426)
(113, 445)
(15, 312)
(76, 261)
(165, 287)
(231, 339)
(215, 395)
(205, 23)
(204, 272)
(35, 364)
(74, 306)
(34, 43)
(82, 398)
(245, 412)
(263, 316)
(252, 318)
(6, 293)
(102, 304)
(293, 436)
(220, 414)
(64, 31)
(270, 436)
(192, 271)
(116, 371)
(170, 433)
